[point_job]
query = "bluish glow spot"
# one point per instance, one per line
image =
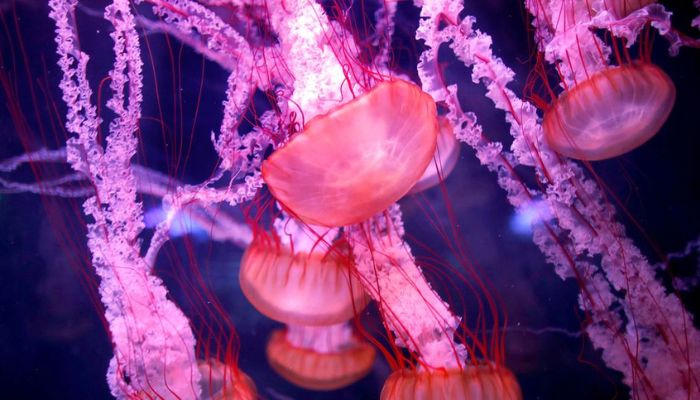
(181, 223)
(524, 217)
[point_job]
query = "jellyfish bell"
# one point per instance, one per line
(473, 382)
(353, 162)
(614, 98)
(319, 370)
(313, 287)
(615, 111)
(445, 159)
(222, 382)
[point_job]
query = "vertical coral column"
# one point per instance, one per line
(305, 34)
(420, 319)
(153, 342)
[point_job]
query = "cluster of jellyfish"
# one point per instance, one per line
(343, 137)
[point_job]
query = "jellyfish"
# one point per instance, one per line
(296, 276)
(611, 113)
(221, 382)
(485, 382)
(353, 162)
(319, 358)
(306, 284)
(605, 109)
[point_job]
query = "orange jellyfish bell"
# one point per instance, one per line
(353, 162)
(445, 159)
(303, 288)
(220, 382)
(613, 112)
(473, 382)
(315, 370)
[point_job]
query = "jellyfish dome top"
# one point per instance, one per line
(611, 113)
(486, 382)
(605, 109)
(220, 382)
(322, 133)
(319, 359)
(301, 280)
(356, 160)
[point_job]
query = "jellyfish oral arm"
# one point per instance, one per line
(141, 318)
(564, 33)
(306, 35)
(565, 39)
(420, 319)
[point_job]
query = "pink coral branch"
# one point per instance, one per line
(153, 342)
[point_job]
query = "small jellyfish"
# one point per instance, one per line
(220, 382)
(611, 113)
(328, 368)
(353, 162)
(313, 287)
(473, 382)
